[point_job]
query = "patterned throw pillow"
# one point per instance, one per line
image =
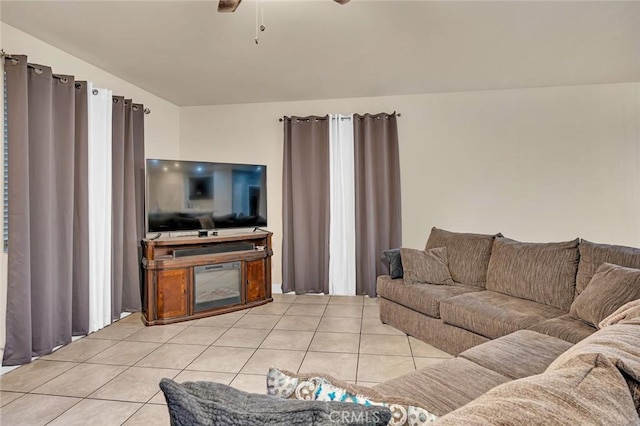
(395, 263)
(426, 266)
(318, 388)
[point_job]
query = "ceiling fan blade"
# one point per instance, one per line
(228, 6)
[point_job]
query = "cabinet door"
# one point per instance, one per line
(256, 286)
(172, 297)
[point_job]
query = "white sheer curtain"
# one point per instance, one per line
(99, 123)
(342, 222)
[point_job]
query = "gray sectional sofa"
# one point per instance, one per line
(525, 327)
(499, 286)
(545, 334)
(528, 378)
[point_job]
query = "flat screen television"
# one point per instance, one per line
(198, 195)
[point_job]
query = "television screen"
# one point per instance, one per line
(194, 195)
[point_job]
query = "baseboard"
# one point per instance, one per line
(276, 288)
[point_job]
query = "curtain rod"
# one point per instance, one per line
(281, 119)
(3, 54)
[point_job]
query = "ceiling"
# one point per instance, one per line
(188, 54)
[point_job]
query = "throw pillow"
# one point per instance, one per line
(611, 287)
(210, 403)
(592, 255)
(623, 314)
(395, 263)
(430, 266)
(316, 387)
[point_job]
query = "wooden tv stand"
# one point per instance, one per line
(170, 266)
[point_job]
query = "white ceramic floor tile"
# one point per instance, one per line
(222, 359)
(35, 410)
(120, 366)
(111, 413)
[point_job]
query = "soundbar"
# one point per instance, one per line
(213, 249)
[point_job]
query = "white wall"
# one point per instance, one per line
(536, 164)
(161, 126)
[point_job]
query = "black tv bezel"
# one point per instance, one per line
(195, 230)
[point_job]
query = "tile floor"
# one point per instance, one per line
(111, 376)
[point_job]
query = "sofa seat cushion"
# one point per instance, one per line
(468, 254)
(444, 386)
(424, 298)
(506, 355)
(588, 391)
(541, 272)
(565, 327)
(592, 255)
(494, 314)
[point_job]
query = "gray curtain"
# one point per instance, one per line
(80, 324)
(128, 211)
(305, 246)
(42, 121)
(378, 209)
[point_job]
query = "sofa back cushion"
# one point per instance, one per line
(468, 254)
(611, 287)
(592, 255)
(541, 272)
